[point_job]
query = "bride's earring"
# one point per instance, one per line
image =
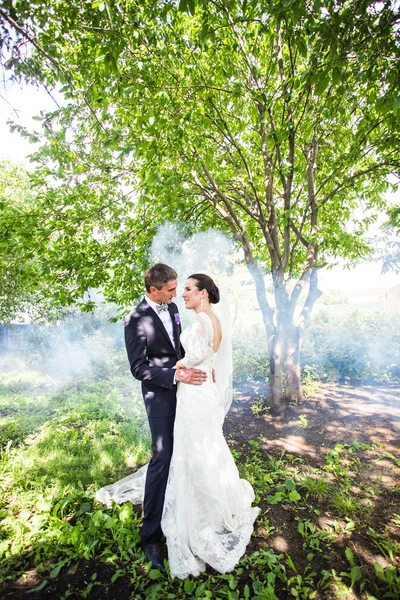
(201, 303)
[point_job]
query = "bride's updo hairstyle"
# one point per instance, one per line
(204, 282)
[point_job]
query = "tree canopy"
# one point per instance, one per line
(275, 121)
(272, 119)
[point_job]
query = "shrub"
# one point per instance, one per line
(354, 344)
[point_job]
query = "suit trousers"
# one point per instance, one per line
(162, 436)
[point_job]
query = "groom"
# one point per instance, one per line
(152, 333)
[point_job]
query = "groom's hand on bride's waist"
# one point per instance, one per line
(191, 376)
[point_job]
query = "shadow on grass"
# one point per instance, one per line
(48, 506)
(342, 450)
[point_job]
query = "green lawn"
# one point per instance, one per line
(61, 444)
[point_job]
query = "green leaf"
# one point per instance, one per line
(189, 586)
(44, 505)
(84, 508)
(232, 582)
(125, 513)
(294, 496)
(349, 555)
(355, 575)
(276, 498)
(154, 177)
(290, 563)
(302, 46)
(290, 484)
(379, 571)
(56, 571)
(109, 522)
(154, 574)
(4, 545)
(39, 587)
(336, 76)
(200, 590)
(321, 85)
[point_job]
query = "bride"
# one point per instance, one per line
(208, 515)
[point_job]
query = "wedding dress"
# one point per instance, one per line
(208, 515)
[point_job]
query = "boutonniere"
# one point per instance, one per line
(177, 318)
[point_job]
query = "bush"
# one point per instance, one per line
(250, 352)
(350, 345)
(353, 345)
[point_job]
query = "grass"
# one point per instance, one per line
(315, 487)
(344, 503)
(60, 444)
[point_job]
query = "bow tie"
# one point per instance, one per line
(161, 307)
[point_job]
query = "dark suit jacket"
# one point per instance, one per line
(151, 357)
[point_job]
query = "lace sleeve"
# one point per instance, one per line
(198, 341)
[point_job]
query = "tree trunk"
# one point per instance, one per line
(274, 339)
(284, 338)
(293, 388)
(276, 372)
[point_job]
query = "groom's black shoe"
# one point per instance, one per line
(155, 554)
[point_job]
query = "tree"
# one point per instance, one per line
(387, 243)
(16, 201)
(273, 121)
(390, 254)
(23, 290)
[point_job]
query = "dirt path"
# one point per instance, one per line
(337, 414)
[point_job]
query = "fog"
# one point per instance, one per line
(344, 341)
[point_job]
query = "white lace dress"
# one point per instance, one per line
(207, 517)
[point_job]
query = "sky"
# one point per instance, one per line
(21, 103)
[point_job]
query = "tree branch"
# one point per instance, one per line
(26, 35)
(348, 180)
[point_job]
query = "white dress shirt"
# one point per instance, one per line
(165, 318)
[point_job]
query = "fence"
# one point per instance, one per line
(13, 337)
